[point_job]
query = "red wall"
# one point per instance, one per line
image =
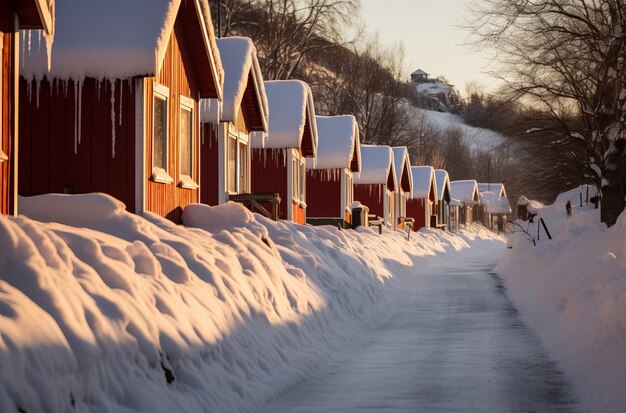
(416, 209)
(209, 165)
(372, 197)
(48, 161)
(7, 168)
(323, 194)
(269, 174)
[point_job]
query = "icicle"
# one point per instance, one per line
(23, 39)
(98, 82)
(112, 118)
(121, 94)
(30, 32)
(80, 109)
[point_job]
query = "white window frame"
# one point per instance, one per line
(3, 156)
(187, 181)
(238, 138)
(159, 174)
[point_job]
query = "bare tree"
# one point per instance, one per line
(567, 57)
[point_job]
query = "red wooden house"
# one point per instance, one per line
(443, 197)
(466, 193)
(402, 167)
(329, 180)
(375, 185)
(14, 15)
(225, 148)
(117, 109)
(423, 200)
(278, 162)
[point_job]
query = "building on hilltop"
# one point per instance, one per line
(435, 94)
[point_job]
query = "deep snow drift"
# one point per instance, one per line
(105, 311)
(572, 290)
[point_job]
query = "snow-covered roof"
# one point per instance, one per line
(402, 167)
(423, 182)
(240, 64)
(455, 202)
(465, 191)
(419, 72)
(376, 165)
(290, 111)
(495, 204)
(497, 189)
(119, 39)
(443, 184)
(338, 144)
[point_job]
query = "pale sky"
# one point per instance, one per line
(431, 40)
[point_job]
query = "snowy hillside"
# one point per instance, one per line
(572, 290)
(477, 138)
(102, 310)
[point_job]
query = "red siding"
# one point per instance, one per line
(209, 165)
(7, 138)
(168, 200)
(51, 159)
(373, 196)
(269, 174)
(323, 194)
(416, 209)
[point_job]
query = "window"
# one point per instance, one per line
(231, 179)
(186, 143)
(160, 134)
(302, 180)
(243, 167)
(349, 191)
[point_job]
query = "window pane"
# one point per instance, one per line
(159, 138)
(302, 181)
(295, 168)
(231, 178)
(243, 167)
(186, 142)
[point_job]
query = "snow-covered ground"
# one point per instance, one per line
(572, 290)
(477, 138)
(106, 311)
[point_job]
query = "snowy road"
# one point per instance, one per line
(451, 342)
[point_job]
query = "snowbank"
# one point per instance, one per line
(123, 313)
(572, 290)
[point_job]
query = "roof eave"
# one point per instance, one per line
(207, 47)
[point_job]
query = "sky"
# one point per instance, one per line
(431, 40)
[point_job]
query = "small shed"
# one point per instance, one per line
(402, 166)
(496, 188)
(496, 209)
(443, 197)
(278, 162)
(14, 16)
(329, 178)
(423, 199)
(455, 214)
(226, 128)
(466, 192)
(116, 111)
(375, 185)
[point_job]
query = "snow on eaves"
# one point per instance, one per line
(443, 181)
(465, 191)
(289, 103)
(338, 143)
(423, 180)
(401, 163)
(239, 61)
(495, 204)
(376, 165)
(113, 39)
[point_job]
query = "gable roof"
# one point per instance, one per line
(120, 39)
(424, 182)
(497, 189)
(465, 191)
(376, 166)
(419, 72)
(243, 82)
(339, 145)
(291, 117)
(443, 184)
(402, 167)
